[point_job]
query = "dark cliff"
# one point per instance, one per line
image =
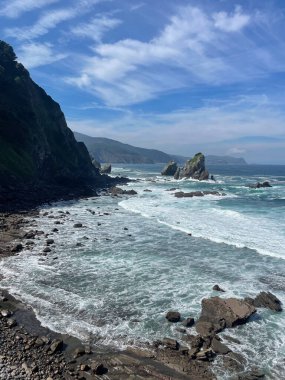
(38, 151)
(36, 146)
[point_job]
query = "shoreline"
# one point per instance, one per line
(73, 359)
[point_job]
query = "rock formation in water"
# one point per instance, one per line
(37, 149)
(170, 168)
(106, 169)
(195, 168)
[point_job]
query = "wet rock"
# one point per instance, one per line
(206, 355)
(115, 191)
(181, 330)
(47, 249)
(54, 230)
(177, 174)
(173, 316)
(181, 194)
(55, 346)
(219, 348)
(218, 313)
(17, 248)
(6, 313)
(259, 185)
(170, 168)
(77, 225)
(196, 341)
(80, 351)
(195, 168)
(267, 300)
(29, 235)
(218, 289)
(147, 191)
(11, 322)
(49, 241)
(188, 322)
(170, 343)
(98, 368)
(254, 374)
(85, 367)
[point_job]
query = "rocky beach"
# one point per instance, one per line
(40, 353)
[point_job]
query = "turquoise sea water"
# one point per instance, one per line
(137, 261)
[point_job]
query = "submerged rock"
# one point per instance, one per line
(218, 289)
(170, 168)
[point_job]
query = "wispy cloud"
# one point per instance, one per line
(95, 28)
(194, 48)
(15, 8)
(49, 20)
(38, 54)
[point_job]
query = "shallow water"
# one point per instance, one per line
(116, 288)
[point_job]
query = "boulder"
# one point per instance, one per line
(118, 191)
(219, 348)
(267, 300)
(188, 322)
(170, 343)
(170, 168)
(55, 346)
(173, 316)
(49, 241)
(218, 313)
(17, 248)
(106, 169)
(259, 185)
(77, 225)
(181, 194)
(195, 168)
(218, 289)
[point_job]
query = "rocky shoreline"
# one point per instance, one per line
(30, 351)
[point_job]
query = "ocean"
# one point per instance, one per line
(113, 280)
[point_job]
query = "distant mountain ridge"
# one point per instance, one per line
(107, 150)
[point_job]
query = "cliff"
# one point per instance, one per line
(36, 146)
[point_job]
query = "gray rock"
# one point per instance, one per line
(77, 225)
(218, 289)
(267, 300)
(106, 169)
(170, 168)
(195, 168)
(188, 322)
(170, 343)
(219, 348)
(259, 185)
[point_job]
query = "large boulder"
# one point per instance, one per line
(173, 316)
(170, 168)
(115, 191)
(218, 313)
(195, 168)
(267, 300)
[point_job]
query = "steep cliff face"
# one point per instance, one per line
(36, 146)
(195, 168)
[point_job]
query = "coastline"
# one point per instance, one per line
(72, 358)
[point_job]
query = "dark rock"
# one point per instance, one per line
(17, 248)
(259, 185)
(54, 230)
(267, 300)
(254, 374)
(11, 322)
(173, 316)
(77, 225)
(118, 191)
(47, 249)
(80, 351)
(196, 341)
(148, 191)
(106, 169)
(170, 168)
(29, 235)
(55, 346)
(177, 173)
(219, 348)
(181, 194)
(218, 313)
(98, 368)
(218, 289)
(170, 343)
(96, 164)
(188, 322)
(205, 355)
(49, 241)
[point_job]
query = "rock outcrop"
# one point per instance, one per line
(195, 168)
(36, 146)
(266, 300)
(259, 185)
(181, 194)
(218, 313)
(170, 168)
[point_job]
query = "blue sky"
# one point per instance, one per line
(181, 76)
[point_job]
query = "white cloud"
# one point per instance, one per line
(36, 54)
(231, 22)
(215, 128)
(50, 20)
(95, 28)
(14, 8)
(194, 48)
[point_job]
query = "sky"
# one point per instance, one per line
(180, 76)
